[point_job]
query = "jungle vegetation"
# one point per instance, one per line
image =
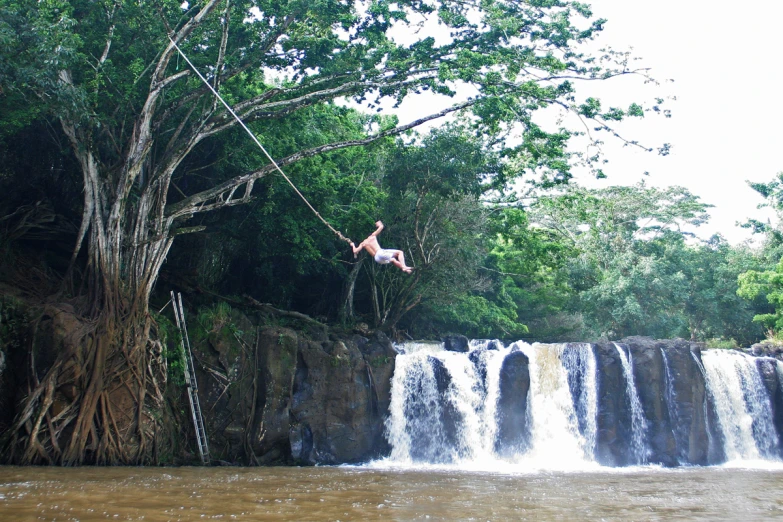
(123, 178)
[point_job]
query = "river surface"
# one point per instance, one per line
(361, 493)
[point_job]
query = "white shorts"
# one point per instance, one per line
(384, 256)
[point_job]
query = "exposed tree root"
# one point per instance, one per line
(98, 401)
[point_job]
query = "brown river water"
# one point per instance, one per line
(355, 493)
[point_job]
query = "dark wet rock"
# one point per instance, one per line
(670, 384)
(495, 345)
(456, 343)
(613, 419)
(765, 349)
(450, 417)
(651, 384)
(770, 377)
(332, 404)
(513, 433)
(688, 404)
(479, 360)
(276, 397)
(650, 379)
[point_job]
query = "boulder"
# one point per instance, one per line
(495, 345)
(765, 349)
(456, 343)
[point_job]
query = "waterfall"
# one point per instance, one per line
(579, 362)
(671, 401)
(415, 411)
(679, 426)
(444, 406)
(638, 422)
(526, 407)
(742, 405)
(556, 440)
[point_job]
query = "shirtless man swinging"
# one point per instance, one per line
(382, 256)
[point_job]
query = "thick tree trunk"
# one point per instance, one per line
(100, 401)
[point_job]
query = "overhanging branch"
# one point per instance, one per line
(215, 197)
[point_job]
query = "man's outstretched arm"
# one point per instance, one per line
(378, 224)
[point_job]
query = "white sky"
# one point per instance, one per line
(726, 127)
(725, 60)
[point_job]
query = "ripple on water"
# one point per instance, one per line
(365, 493)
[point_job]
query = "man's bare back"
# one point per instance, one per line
(381, 255)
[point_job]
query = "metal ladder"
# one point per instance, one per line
(190, 380)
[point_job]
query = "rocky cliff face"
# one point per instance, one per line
(673, 396)
(273, 396)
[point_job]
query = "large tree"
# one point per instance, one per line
(135, 115)
(627, 276)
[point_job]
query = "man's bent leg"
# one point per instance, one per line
(399, 261)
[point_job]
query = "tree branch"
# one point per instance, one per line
(196, 203)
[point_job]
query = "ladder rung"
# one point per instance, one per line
(190, 381)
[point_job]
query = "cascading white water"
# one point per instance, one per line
(458, 423)
(741, 402)
(491, 361)
(671, 399)
(468, 395)
(415, 427)
(579, 362)
(448, 408)
(638, 422)
(556, 439)
(415, 410)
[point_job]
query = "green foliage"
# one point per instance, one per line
(761, 282)
(478, 317)
(480, 265)
(768, 283)
(170, 338)
(436, 218)
(634, 272)
(724, 344)
(217, 318)
(713, 307)
(526, 264)
(175, 365)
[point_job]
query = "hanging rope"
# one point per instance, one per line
(253, 136)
